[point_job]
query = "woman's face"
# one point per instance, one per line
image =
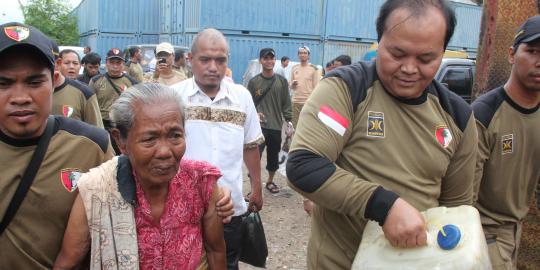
(155, 144)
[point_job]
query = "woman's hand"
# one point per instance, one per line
(224, 205)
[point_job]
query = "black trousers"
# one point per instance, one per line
(233, 237)
(272, 140)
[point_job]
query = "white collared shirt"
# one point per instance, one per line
(217, 131)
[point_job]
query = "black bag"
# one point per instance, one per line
(253, 247)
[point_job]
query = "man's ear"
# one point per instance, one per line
(511, 54)
(57, 78)
(119, 141)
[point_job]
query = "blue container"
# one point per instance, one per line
(467, 32)
(302, 18)
(103, 42)
(242, 49)
(351, 20)
(118, 16)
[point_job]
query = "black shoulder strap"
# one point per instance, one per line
(258, 100)
(112, 84)
(29, 174)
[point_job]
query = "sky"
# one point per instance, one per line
(10, 11)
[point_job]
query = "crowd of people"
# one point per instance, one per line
(127, 170)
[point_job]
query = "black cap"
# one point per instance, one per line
(115, 53)
(18, 34)
(529, 31)
(266, 51)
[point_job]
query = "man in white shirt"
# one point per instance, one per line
(222, 127)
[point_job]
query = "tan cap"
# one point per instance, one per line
(165, 47)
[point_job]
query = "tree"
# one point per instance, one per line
(53, 18)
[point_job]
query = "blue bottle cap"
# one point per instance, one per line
(450, 241)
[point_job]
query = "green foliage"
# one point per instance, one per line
(53, 18)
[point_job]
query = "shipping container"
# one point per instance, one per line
(102, 42)
(118, 16)
(351, 20)
(298, 18)
(467, 32)
(332, 49)
(242, 49)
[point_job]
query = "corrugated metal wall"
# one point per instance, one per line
(328, 27)
(356, 21)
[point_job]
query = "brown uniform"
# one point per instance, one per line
(34, 236)
(108, 93)
(135, 71)
(307, 77)
(358, 148)
(75, 100)
(507, 171)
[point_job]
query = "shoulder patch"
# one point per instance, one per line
(454, 105)
(358, 77)
(87, 91)
(486, 105)
(95, 134)
(69, 178)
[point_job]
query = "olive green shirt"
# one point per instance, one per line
(106, 93)
(508, 163)
(357, 148)
(135, 70)
(34, 237)
(76, 100)
(276, 104)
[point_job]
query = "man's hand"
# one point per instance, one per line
(290, 129)
(308, 206)
(405, 226)
(255, 201)
(224, 205)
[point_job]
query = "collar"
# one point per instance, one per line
(516, 106)
(60, 87)
(225, 90)
(126, 181)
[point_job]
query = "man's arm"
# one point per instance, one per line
(213, 234)
(76, 241)
(253, 164)
(92, 114)
(457, 183)
(482, 156)
(286, 110)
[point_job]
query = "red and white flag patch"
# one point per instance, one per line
(333, 120)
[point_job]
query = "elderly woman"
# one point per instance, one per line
(149, 208)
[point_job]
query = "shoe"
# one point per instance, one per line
(273, 188)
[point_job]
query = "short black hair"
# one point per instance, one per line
(284, 58)
(344, 59)
(133, 51)
(92, 59)
(66, 51)
(178, 53)
(417, 8)
(329, 64)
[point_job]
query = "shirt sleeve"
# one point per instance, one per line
(457, 183)
(312, 170)
(92, 114)
(286, 101)
(484, 149)
(316, 77)
(252, 128)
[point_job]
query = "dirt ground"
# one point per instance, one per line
(287, 228)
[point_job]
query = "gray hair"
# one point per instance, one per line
(122, 114)
(211, 34)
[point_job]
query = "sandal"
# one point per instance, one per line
(273, 188)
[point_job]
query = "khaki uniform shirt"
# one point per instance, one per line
(75, 100)
(135, 70)
(307, 77)
(34, 237)
(357, 148)
(508, 164)
(106, 93)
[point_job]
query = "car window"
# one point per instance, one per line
(459, 81)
